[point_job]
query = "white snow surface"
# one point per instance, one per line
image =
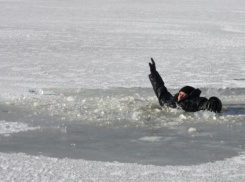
(31, 168)
(107, 43)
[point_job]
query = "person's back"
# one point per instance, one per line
(188, 98)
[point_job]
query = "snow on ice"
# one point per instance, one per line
(48, 47)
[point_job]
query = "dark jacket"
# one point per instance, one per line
(193, 102)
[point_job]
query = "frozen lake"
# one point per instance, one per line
(103, 44)
(74, 90)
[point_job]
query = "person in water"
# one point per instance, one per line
(188, 98)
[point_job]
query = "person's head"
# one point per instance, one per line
(184, 92)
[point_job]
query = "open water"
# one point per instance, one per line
(125, 125)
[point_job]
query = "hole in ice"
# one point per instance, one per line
(125, 125)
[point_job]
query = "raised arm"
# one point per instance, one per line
(164, 97)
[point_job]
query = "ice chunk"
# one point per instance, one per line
(182, 116)
(14, 127)
(191, 130)
(151, 138)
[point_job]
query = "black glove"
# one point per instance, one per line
(152, 66)
(214, 105)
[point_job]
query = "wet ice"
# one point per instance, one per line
(125, 125)
(104, 44)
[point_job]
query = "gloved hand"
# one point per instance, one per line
(214, 105)
(152, 66)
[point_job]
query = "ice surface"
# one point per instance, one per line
(101, 44)
(13, 127)
(104, 45)
(30, 168)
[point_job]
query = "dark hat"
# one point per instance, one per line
(187, 89)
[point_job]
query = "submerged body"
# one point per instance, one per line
(188, 98)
